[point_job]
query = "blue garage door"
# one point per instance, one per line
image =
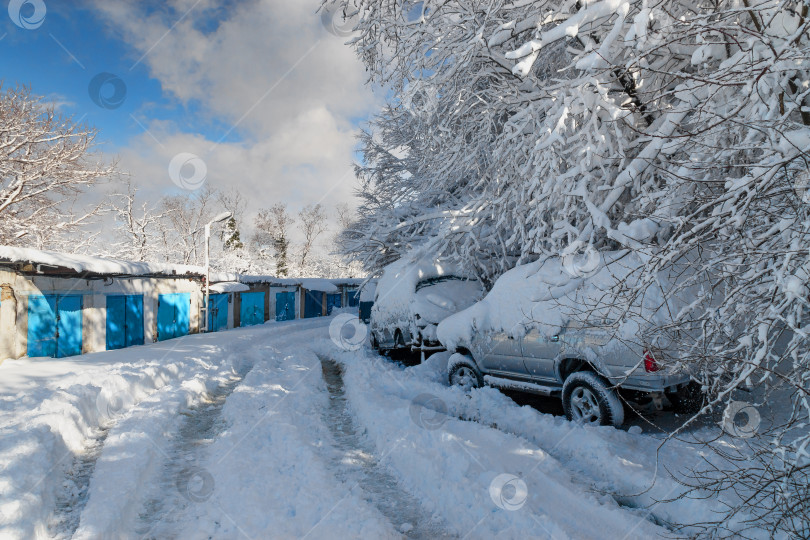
(285, 306)
(332, 302)
(252, 310)
(124, 321)
(217, 312)
(173, 315)
(54, 325)
(313, 304)
(353, 298)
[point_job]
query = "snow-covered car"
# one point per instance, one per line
(412, 298)
(551, 328)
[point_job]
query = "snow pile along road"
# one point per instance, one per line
(484, 482)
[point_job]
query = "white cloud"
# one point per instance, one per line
(268, 66)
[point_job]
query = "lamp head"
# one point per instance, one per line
(222, 217)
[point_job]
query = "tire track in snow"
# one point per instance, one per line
(183, 482)
(70, 501)
(181, 477)
(356, 465)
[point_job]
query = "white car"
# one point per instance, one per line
(411, 299)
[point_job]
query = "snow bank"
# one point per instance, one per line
(454, 466)
(51, 410)
(549, 293)
(583, 481)
(135, 448)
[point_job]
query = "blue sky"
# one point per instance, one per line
(289, 95)
(59, 59)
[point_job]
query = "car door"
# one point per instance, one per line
(539, 353)
(499, 354)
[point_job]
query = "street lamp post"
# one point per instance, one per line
(221, 217)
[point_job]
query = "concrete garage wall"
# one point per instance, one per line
(16, 288)
(8, 317)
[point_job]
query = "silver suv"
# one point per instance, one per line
(584, 365)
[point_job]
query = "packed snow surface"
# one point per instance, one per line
(275, 431)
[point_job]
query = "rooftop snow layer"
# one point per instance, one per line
(116, 267)
(312, 284)
(228, 287)
(94, 265)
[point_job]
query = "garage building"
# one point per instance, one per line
(53, 304)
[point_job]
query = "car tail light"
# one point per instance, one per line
(650, 363)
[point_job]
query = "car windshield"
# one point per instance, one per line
(433, 281)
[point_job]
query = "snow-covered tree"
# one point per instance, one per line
(678, 130)
(272, 233)
(45, 165)
(182, 231)
(312, 219)
(137, 226)
(232, 237)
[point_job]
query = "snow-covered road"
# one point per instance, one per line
(275, 432)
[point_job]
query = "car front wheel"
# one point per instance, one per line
(587, 399)
(465, 375)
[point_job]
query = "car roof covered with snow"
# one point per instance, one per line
(396, 289)
(554, 291)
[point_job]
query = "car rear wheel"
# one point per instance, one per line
(465, 375)
(587, 399)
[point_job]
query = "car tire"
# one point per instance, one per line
(588, 399)
(464, 373)
(399, 340)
